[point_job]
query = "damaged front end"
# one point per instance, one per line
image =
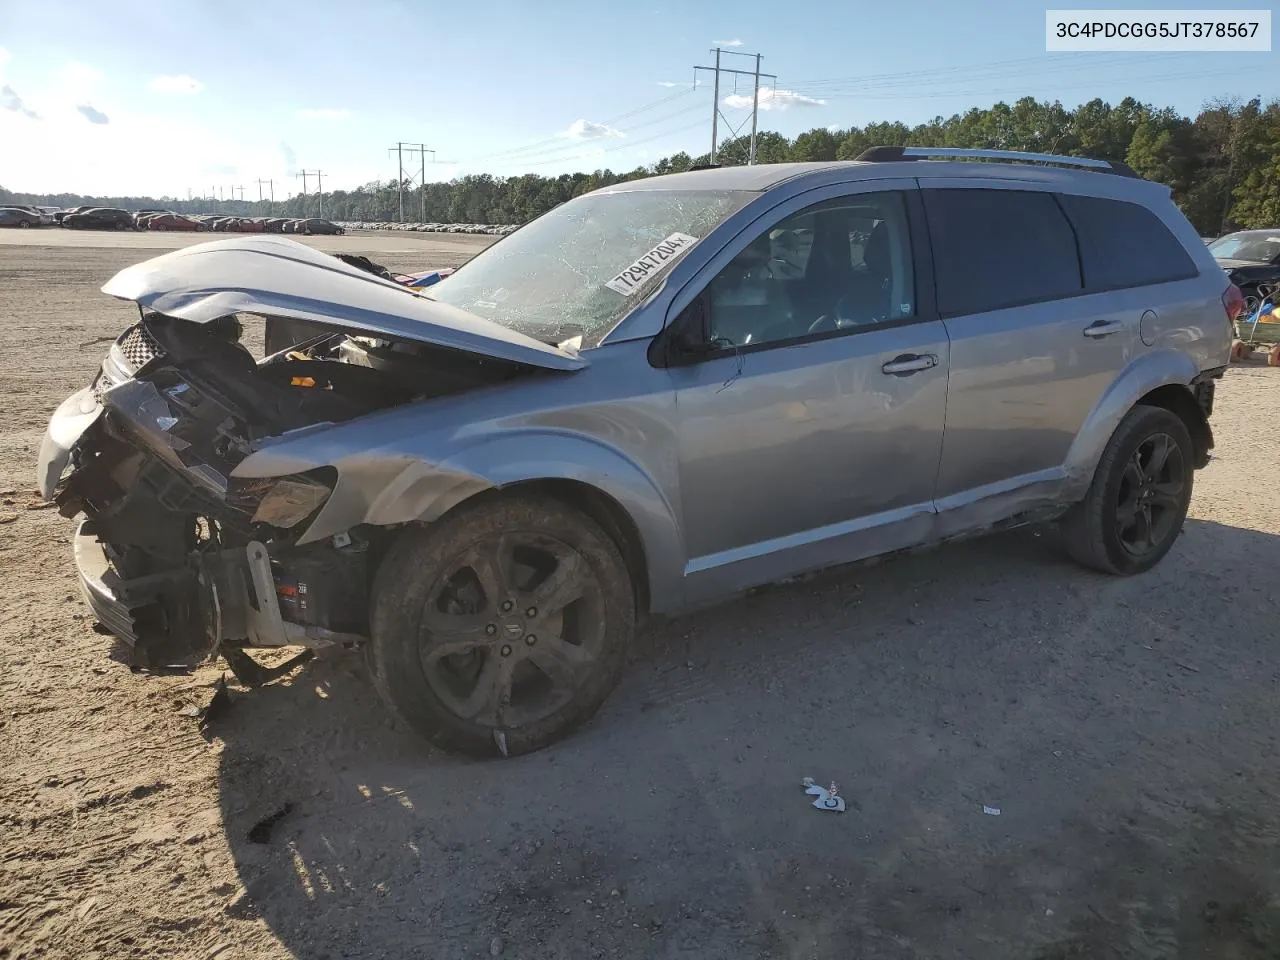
(176, 556)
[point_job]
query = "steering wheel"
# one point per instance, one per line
(825, 322)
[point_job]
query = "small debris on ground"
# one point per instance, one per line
(495, 947)
(827, 798)
(991, 811)
(260, 832)
(42, 505)
(8, 517)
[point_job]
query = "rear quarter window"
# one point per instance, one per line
(1125, 244)
(999, 248)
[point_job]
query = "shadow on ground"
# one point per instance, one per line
(1124, 729)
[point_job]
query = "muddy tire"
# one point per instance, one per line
(1139, 497)
(500, 628)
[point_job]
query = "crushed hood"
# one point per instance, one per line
(274, 276)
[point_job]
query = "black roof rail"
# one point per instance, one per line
(706, 166)
(894, 154)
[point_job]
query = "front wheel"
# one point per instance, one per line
(24, 224)
(502, 627)
(1139, 497)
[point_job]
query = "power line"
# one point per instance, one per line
(400, 149)
(272, 186)
(534, 147)
(716, 115)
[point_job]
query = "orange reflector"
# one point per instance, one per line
(303, 381)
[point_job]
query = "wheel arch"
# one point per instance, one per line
(1178, 399)
(1159, 378)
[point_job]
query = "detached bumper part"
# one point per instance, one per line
(180, 618)
(99, 584)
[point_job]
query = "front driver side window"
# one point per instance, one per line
(841, 264)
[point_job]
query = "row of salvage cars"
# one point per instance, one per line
(222, 223)
(486, 229)
(115, 218)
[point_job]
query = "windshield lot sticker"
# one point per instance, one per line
(633, 277)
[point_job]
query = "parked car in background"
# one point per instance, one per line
(43, 217)
(1250, 258)
(248, 225)
(275, 224)
(318, 225)
(63, 214)
(100, 218)
(140, 217)
(291, 226)
(624, 409)
(19, 217)
(174, 221)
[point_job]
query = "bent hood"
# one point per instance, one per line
(273, 276)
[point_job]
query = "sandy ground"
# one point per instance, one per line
(1124, 729)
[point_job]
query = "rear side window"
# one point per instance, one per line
(1125, 244)
(1000, 248)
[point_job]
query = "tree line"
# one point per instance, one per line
(1223, 165)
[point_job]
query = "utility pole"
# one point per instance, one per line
(715, 103)
(755, 107)
(320, 192)
(271, 184)
(715, 107)
(303, 175)
(400, 149)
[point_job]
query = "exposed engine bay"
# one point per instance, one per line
(177, 555)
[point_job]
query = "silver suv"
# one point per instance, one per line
(655, 396)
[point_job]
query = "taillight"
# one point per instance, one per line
(1233, 302)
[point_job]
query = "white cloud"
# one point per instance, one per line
(5, 56)
(92, 114)
(669, 83)
(79, 78)
(175, 83)
(9, 100)
(324, 113)
(735, 42)
(587, 130)
(773, 100)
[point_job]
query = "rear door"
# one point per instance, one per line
(1032, 350)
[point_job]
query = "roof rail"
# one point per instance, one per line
(890, 154)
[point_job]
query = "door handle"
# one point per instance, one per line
(910, 363)
(1103, 328)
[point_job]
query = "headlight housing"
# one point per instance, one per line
(282, 502)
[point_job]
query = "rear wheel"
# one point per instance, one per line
(24, 224)
(502, 627)
(1139, 497)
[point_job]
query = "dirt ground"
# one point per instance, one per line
(1125, 730)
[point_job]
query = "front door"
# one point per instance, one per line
(810, 434)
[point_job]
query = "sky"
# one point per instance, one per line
(162, 97)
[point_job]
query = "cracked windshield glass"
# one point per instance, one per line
(552, 279)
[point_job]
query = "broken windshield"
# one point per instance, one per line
(581, 267)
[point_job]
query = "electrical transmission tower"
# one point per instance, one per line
(319, 189)
(400, 149)
(716, 115)
(271, 203)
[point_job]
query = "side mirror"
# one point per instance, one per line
(689, 339)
